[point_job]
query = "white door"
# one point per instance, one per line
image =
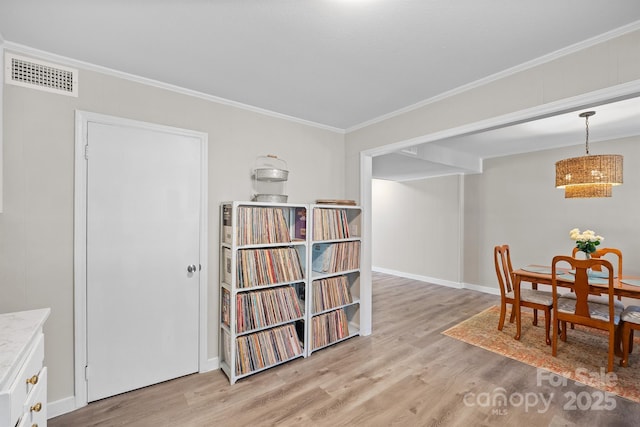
(143, 216)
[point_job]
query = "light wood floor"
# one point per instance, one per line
(405, 374)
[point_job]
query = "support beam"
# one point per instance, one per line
(446, 156)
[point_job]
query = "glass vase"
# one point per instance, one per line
(587, 255)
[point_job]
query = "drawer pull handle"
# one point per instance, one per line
(33, 380)
(37, 407)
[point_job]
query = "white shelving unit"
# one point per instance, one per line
(263, 286)
(273, 255)
(334, 264)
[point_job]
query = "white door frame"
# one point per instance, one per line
(82, 119)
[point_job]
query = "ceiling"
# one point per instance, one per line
(337, 64)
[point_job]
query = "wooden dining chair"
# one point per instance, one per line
(600, 253)
(581, 308)
(630, 321)
(532, 298)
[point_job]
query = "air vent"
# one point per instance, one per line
(28, 72)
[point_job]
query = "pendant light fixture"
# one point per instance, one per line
(590, 175)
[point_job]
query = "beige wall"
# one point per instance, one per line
(515, 202)
(416, 227)
(36, 227)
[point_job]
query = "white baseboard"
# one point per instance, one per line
(441, 282)
(210, 365)
(481, 288)
(434, 280)
(61, 407)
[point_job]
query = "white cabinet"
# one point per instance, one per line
(23, 377)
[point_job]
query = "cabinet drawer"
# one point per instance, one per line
(28, 378)
(35, 407)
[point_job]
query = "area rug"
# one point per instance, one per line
(582, 358)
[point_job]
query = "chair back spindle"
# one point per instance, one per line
(504, 269)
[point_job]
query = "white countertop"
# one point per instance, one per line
(17, 330)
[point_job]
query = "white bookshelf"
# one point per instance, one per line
(329, 298)
(261, 281)
(334, 233)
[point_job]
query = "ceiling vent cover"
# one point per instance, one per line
(28, 72)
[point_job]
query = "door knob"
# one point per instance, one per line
(191, 268)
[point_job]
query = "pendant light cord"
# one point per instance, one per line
(586, 120)
(586, 116)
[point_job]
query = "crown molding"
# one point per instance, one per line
(63, 60)
(586, 100)
(634, 26)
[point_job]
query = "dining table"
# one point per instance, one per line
(624, 286)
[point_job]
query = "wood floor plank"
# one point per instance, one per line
(405, 374)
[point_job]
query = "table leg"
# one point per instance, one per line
(516, 304)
